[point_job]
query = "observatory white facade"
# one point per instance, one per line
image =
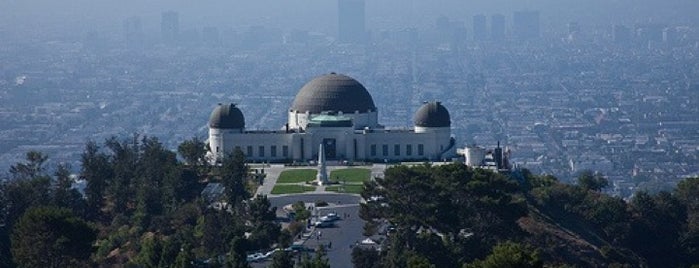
(338, 112)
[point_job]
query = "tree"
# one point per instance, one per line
(233, 176)
(184, 258)
(32, 168)
(282, 259)
(125, 156)
(150, 253)
(193, 151)
(365, 258)
(96, 171)
(509, 254)
(318, 261)
(592, 181)
(51, 237)
(236, 256)
(63, 194)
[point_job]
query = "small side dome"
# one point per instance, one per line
(432, 114)
(226, 116)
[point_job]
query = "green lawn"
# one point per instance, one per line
(349, 188)
(291, 189)
(350, 175)
(297, 175)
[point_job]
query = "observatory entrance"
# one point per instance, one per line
(330, 149)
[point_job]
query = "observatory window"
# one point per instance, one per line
(249, 151)
(217, 149)
(409, 149)
(285, 151)
(273, 151)
(237, 148)
(396, 150)
(384, 148)
(420, 149)
(262, 151)
(373, 150)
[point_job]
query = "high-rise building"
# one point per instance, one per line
(573, 27)
(350, 21)
(170, 26)
(210, 35)
(621, 34)
(497, 27)
(133, 33)
(479, 28)
(525, 25)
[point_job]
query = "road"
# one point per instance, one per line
(346, 231)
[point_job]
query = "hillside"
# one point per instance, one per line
(521, 215)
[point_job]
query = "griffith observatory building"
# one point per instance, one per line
(337, 111)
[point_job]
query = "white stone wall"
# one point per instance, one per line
(304, 146)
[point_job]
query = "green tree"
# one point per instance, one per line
(184, 258)
(509, 255)
(63, 194)
(282, 259)
(234, 177)
(193, 151)
(125, 156)
(96, 170)
(51, 237)
(592, 181)
(150, 254)
(34, 167)
(365, 258)
(236, 257)
(319, 260)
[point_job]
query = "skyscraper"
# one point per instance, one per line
(479, 29)
(497, 27)
(621, 34)
(133, 33)
(170, 26)
(350, 21)
(525, 25)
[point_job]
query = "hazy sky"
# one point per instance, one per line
(79, 16)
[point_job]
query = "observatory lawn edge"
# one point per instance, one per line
(291, 189)
(297, 175)
(351, 175)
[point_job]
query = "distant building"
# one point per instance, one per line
(497, 27)
(338, 112)
(479, 27)
(170, 26)
(210, 35)
(573, 27)
(649, 32)
(525, 25)
(351, 21)
(621, 34)
(133, 33)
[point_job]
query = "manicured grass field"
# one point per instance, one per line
(291, 189)
(349, 188)
(297, 175)
(350, 175)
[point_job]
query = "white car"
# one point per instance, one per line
(255, 257)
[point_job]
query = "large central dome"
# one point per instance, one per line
(333, 92)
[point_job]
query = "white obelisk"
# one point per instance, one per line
(322, 177)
